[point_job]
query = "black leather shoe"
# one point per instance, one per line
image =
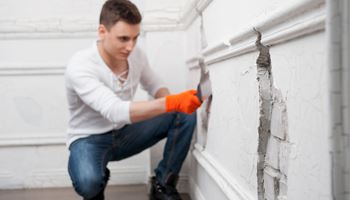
(167, 192)
(100, 195)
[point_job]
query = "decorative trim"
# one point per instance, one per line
(172, 20)
(47, 28)
(128, 175)
(228, 185)
(176, 20)
(195, 192)
(301, 20)
(60, 178)
(35, 140)
(8, 180)
(30, 70)
(192, 11)
(161, 19)
(183, 184)
(47, 35)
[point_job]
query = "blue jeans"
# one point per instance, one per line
(89, 156)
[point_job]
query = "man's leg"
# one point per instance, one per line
(176, 148)
(87, 165)
(175, 151)
(177, 127)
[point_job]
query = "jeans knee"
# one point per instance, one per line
(89, 186)
(188, 119)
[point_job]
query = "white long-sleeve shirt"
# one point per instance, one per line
(98, 102)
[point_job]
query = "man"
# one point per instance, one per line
(106, 125)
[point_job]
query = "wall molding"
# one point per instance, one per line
(192, 11)
(60, 178)
(23, 69)
(47, 35)
(183, 184)
(284, 25)
(171, 19)
(47, 28)
(230, 187)
(195, 192)
(34, 140)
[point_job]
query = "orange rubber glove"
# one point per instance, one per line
(186, 102)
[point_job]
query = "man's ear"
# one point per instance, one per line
(102, 31)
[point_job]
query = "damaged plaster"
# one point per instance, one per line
(204, 117)
(265, 99)
(273, 147)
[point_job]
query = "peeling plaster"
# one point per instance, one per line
(204, 116)
(273, 147)
(265, 100)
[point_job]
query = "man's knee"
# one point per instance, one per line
(89, 186)
(186, 124)
(188, 119)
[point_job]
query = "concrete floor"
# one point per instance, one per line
(134, 192)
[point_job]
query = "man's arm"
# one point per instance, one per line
(143, 110)
(147, 109)
(186, 102)
(162, 92)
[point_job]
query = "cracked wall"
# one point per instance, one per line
(270, 142)
(294, 159)
(273, 146)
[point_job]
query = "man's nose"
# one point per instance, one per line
(130, 45)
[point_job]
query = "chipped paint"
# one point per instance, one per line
(273, 147)
(265, 100)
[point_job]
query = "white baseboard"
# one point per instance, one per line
(128, 176)
(195, 192)
(60, 178)
(228, 185)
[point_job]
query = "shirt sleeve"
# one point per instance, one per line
(97, 95)
(150, 81)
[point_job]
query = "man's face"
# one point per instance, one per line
(120, 40)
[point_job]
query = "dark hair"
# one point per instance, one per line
(119, 10)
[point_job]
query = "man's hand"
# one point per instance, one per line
(186, 102)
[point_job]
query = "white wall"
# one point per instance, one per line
(297, 164)
(166, 51)
(35, 47)
(223, 162)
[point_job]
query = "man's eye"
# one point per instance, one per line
(124, 39)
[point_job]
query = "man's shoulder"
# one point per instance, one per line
(83, 61)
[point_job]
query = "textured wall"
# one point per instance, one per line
(295, 158)
(35, 47)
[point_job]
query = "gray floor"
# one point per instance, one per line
(135, 192)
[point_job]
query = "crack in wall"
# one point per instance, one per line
(265, 100)
(204, 116)
(273, 147)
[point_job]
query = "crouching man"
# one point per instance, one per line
(106, 124)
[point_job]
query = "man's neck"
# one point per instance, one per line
(116, 66)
